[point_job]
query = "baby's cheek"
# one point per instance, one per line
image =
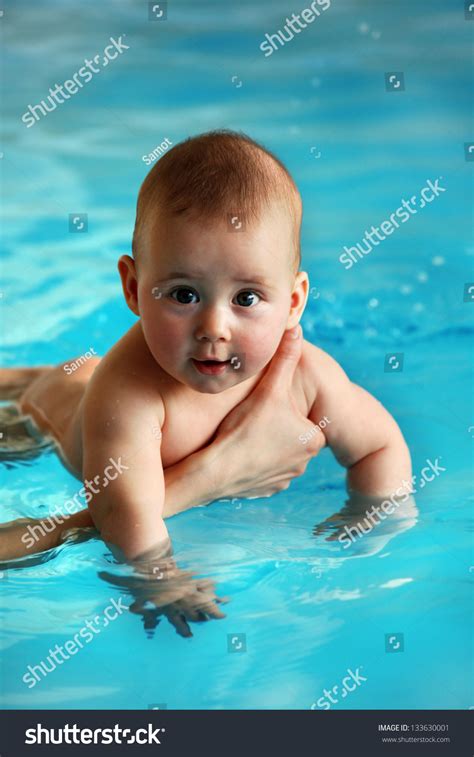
(258, 349)
(163, 335)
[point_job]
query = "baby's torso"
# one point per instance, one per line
(192, 420)
(187, 420)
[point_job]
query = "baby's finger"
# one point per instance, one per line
(213, 611)
(210, 608)
(222, 600)
(178, 620)
(205, 584)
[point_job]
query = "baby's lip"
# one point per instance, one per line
(210, 360)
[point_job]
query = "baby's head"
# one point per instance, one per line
(216, 254)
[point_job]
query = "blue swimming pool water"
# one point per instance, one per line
(309, 609)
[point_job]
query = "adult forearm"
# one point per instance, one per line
(192, 482)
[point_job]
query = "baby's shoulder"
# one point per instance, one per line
(125, 383)
(317, 370)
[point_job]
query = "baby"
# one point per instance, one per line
(215, 282)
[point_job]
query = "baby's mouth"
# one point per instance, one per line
(211, 367)
(210, 361)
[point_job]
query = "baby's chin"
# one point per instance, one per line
(214, 384)
(209, 384)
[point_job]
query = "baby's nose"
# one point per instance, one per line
(213, 325)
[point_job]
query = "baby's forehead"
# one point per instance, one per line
(240, 246)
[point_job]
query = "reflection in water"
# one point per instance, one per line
(363, 528)
(20, 440)
(157, 586)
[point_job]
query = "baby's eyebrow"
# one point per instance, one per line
(201, 275)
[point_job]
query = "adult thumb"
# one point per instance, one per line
(286, 358)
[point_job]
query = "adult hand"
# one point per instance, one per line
(257, 450)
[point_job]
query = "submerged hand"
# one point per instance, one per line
(363, 516)
(169, 591)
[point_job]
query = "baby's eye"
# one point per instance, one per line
(184, 295)
(247, 299)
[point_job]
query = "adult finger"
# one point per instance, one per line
(282, 366)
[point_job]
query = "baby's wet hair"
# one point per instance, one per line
(218, 175)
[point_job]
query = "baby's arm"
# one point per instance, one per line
(119, 439)
(364, 437)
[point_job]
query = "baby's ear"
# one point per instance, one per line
(128, 275)
(299, 297)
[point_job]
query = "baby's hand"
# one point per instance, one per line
(363, 526)
(175, 593)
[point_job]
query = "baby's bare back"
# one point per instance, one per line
(134, 390)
